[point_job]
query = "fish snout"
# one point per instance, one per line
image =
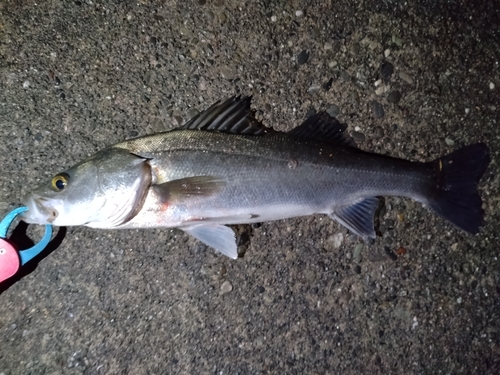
(40, 211)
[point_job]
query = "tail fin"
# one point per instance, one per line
(456, 198)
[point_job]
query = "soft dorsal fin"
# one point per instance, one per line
(322, 127)
(233, 116)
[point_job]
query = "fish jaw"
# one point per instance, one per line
(40, 210)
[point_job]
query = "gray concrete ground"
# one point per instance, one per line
(307, 297)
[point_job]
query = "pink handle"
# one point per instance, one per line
(9, 260)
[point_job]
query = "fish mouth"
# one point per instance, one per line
(39, 211)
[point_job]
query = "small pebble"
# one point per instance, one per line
(386, 70)
(377, 109)
(273, 18)
(328, 46)
(378, 132)
(355, 98)
(226, 73)
(394, 97)
(380, 90)
(315, 32)
(361, 77)
(406, 77)
(401, 251)
(332, 64)
(333, 110)
(357, 251)
(222, 17)
(314, 89)
(328, 85)
(226, 287)
(299, 13)
(179, 120)
(390, 253)
(387, 52)
(192, 112)
(449, 141)
(397, 40)
(26, 84)
(344, 76)
(202, 84)
(210, 15)
(492, 86)
(302, 57)
(355, 48)
(337, 240)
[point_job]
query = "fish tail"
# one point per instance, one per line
(457, 175)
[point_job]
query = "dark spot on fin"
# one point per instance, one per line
(456, 198)
(190, 187)
(358, 217)
(324, 128)
(233, 116)
(218, 236)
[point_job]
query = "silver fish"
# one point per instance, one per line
(224, 167)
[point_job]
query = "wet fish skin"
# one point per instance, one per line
(223, 167)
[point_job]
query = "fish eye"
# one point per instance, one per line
(60, 182)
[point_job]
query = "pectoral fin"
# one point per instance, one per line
(358, 217)
(218, 236)
(189, 187)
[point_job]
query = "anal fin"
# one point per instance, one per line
(358, 217)
(218, 236)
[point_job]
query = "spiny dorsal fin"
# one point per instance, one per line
(233, 116)
(322, 127)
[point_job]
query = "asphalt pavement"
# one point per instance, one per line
(414, 79)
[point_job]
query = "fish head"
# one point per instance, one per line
(104, 191)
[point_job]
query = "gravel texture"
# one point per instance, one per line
(306, 297)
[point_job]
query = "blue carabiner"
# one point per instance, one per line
(28, 254)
